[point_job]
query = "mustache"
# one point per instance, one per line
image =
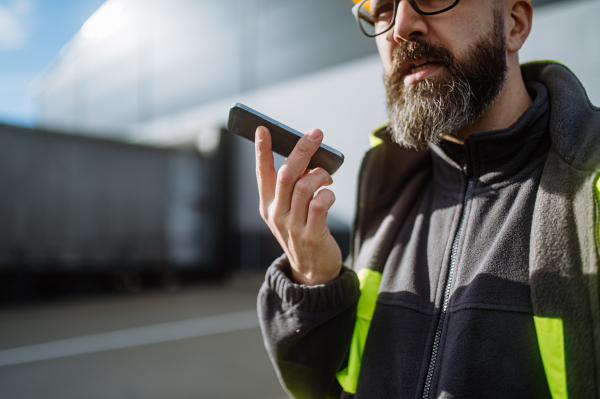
(419, 49)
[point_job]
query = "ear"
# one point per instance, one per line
(519, 24)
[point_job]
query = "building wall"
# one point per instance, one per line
(568, 32)
(136, 60)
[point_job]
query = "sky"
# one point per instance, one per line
(32, 33)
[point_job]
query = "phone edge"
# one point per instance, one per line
(293, 131)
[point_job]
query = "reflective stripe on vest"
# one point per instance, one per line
(374, 141)
(546, 61)
(369, 286)
(552, 348)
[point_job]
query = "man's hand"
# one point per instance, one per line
(294, 214)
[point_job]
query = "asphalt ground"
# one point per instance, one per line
(199, 342)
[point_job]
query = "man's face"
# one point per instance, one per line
(442, 71)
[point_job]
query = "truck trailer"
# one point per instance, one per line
(71, 203)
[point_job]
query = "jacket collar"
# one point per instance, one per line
(574, 122)
(501, 155)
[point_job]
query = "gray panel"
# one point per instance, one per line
(73, 202)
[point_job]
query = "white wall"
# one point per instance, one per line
(568, 32)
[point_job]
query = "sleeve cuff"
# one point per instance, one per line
(317, 298)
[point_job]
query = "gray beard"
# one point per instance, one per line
(428, 110)
(424, 111)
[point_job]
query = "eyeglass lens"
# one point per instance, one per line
(376, 16)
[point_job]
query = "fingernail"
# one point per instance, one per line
(260, 134)
(314, 135)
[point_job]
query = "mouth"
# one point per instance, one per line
(421, 67)
(416, 71)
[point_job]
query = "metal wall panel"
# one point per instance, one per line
(71, 202)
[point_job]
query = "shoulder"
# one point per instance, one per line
(574, 120)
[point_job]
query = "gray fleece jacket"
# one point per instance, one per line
(489, 262)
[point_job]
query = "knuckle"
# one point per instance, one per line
(284, 176)
(302, 188)
(303, 148)
(318, 206)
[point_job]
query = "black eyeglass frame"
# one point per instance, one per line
(356, 8)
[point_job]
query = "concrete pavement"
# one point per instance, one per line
(217, 365)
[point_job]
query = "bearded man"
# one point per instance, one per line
(473, 270)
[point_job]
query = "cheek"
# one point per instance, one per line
(386, 49)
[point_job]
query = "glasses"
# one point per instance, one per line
(377, 16)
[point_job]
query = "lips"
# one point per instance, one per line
(417, 66)
(421, 67)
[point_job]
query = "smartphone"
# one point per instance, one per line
(244, 120)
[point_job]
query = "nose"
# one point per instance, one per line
(409, 24)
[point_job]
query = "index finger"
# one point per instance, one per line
(265, 169)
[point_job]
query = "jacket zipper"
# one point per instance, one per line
(447, 287)
(597, 222)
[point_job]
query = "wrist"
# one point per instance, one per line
(312, 278)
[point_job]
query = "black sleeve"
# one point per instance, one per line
(307, 330)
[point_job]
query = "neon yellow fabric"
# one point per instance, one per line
(552, 348)
(369, 286)
(373, 140)
(543, 61)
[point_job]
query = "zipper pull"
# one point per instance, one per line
(467, 170)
